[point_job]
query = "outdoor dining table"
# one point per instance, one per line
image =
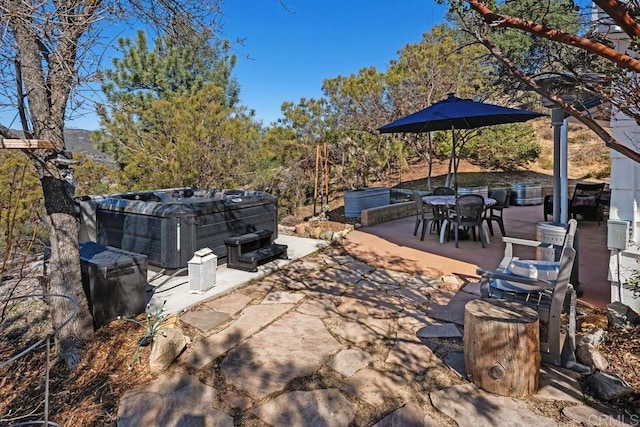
(450, 202)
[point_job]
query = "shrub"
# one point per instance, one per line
(506, 147)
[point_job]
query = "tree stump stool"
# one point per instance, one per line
(502, 347)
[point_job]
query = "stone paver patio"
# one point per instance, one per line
(330, 341)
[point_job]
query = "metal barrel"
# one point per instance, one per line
(482, 190)
(526, 194)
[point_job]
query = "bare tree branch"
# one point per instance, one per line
(620, 16)
(602, 50)
(608, 139)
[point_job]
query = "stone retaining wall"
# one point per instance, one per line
(386, 213)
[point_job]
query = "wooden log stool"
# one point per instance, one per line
(502, 347)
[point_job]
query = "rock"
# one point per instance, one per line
(301, 229)
(166, 347)
(178, 399)
(315, 232)
(608, 386)
(307, 408)
(470, 406)
(236, 400)
(621, 316)
(588, 355)
(327, 235)
(350, 361)
(596, 338)
(599, 415)
(409, 415)
(303, 346)
(289, 221)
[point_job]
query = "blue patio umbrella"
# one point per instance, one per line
(458, 113)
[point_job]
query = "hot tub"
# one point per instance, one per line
(169, 225)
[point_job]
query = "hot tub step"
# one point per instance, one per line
(249, 261)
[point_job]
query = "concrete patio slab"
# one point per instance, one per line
(175, 290)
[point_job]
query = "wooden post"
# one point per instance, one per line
(502, 347)
(326, 173)
(315, 186)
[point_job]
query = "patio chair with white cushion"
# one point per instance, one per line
(543, 286)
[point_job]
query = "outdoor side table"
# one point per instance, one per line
(502, 347)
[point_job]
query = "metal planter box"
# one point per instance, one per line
(169, 226)
(114, 281)
(355, 201)
(526, 194)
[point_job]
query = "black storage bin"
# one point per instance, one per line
(114, 281)
(170, 225)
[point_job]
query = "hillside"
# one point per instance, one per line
(79, 141)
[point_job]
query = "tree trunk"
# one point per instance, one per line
(502, 347)
(64, 270)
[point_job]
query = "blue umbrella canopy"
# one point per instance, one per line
(458, 113)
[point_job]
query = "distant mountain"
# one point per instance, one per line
(79, 141)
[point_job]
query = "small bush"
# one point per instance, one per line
(506, 147)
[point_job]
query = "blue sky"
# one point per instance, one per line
(288, 52)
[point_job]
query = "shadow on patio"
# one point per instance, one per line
(392, 245)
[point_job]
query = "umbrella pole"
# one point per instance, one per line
(451, 182)
(430, 153)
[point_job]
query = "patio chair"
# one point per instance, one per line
(440, 213)
(586, 201)
(543, 286)
(494, 213)
(443, 191)
(420, 216)
(469, 215)
(547, 206)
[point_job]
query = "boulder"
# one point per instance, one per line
(167, 345)
(621, 316)
(588, 355)
(608, 386)
(595, 338)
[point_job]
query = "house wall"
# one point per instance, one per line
(625, 198)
